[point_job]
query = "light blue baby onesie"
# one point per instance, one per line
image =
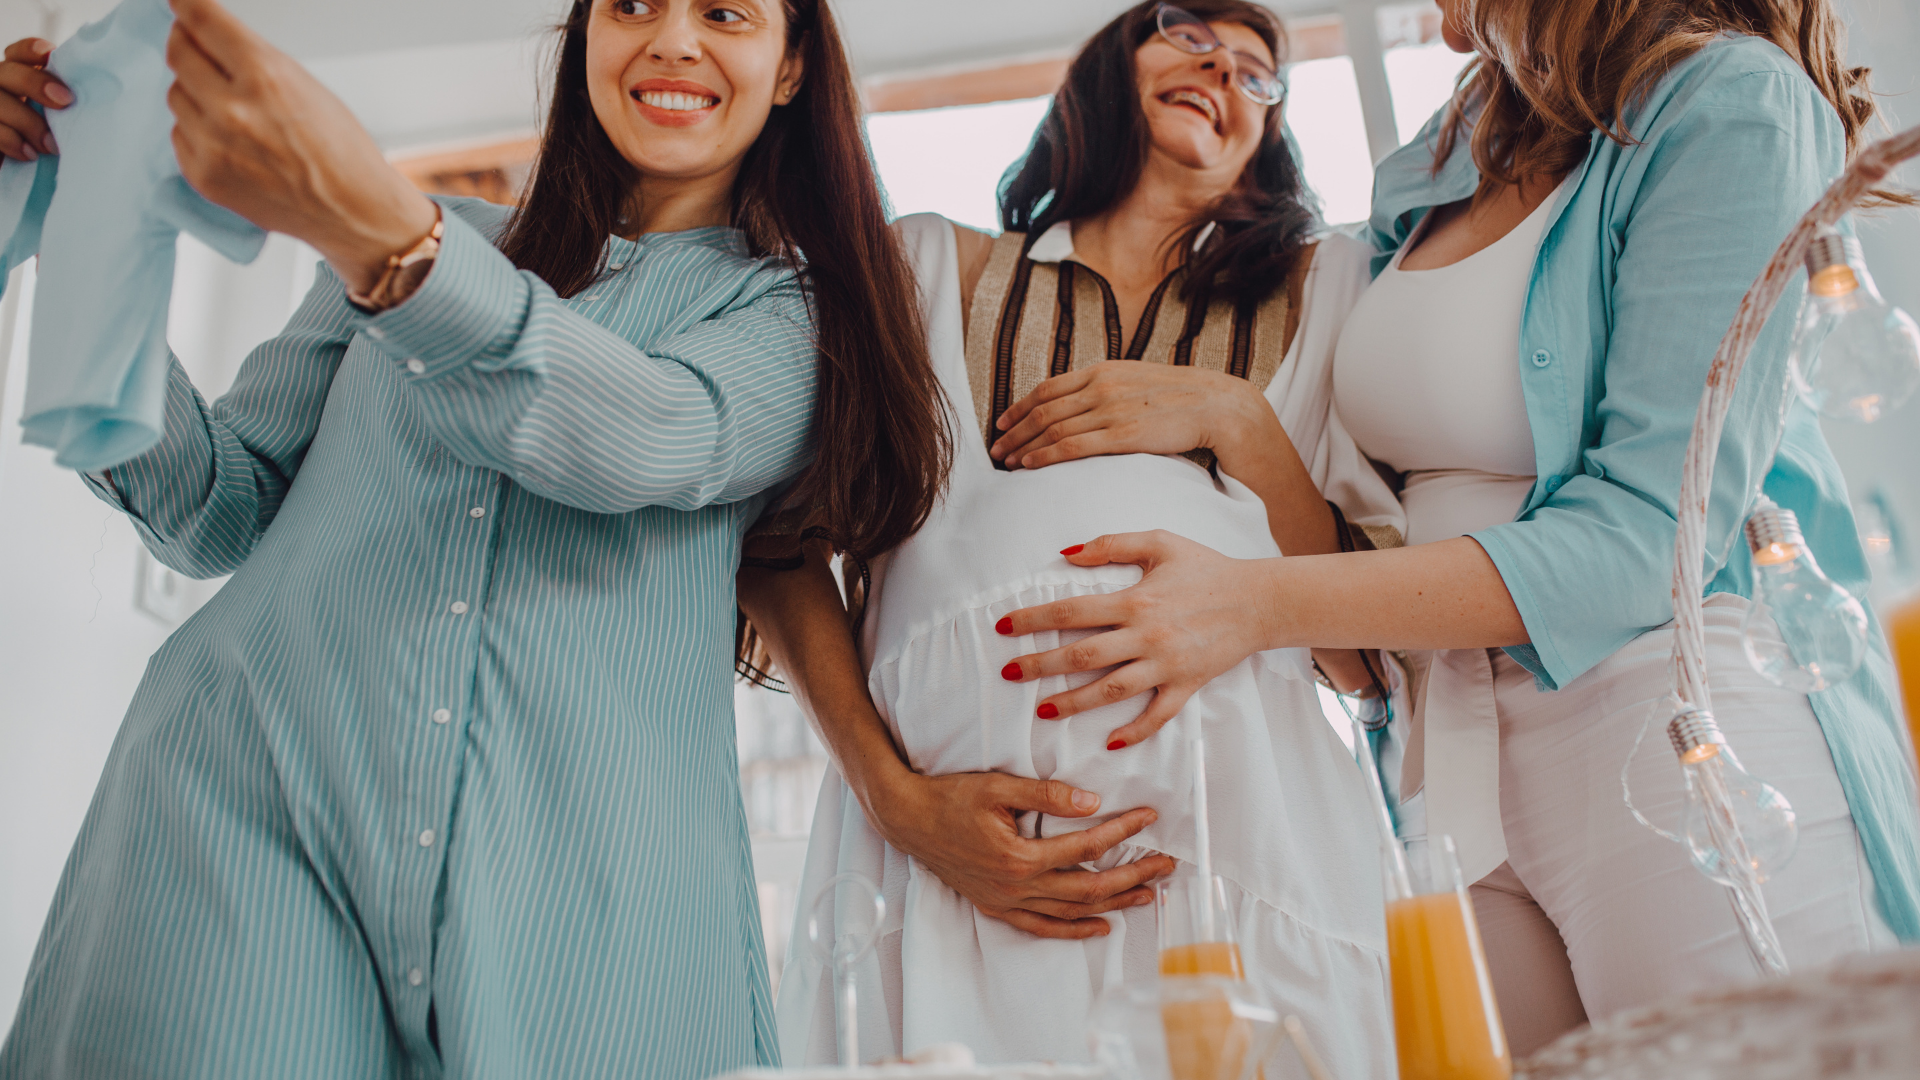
(103, 217)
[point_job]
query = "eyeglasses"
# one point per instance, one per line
(1251, 76)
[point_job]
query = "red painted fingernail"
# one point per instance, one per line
(1011, 673)
(1004, 626)
(1117, 744)
(1046, 712)
(1074, 550)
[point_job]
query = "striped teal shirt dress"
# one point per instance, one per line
(443, 782)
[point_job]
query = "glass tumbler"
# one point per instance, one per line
(1445, 1021)
(1196, 929)
(1184, 1027)
(1206, 1039)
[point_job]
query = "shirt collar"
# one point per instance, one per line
(1056, 244)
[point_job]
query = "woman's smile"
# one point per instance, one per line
(673, 102)
(1196, 99)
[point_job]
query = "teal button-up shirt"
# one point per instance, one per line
(1645, 258)
(443, 781)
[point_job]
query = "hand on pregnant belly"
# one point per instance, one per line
(962, 828)
(1185, 623)
(1127, 407)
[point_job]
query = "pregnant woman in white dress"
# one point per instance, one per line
(1099, 274)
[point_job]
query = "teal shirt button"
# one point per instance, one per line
(1554, 482)
(1541, 358)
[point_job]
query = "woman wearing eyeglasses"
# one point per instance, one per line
(1155, 310)
(1562, 249)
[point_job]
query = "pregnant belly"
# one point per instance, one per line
(952, 712)
(999, 534)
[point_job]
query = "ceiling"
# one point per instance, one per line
(434, 72)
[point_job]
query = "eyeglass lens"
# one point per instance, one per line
(1186, 32)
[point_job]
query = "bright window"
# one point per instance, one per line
(1323, 109)
(1421, 78)
(949, 161)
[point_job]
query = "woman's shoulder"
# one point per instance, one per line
(1731, 57)
(1733, 73)
(927, 234)
(1339, 271)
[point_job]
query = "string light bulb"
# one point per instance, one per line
(1822, 628)
(1855, 356)
(1740, 831)
(1720, 793)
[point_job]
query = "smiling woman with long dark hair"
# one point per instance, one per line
(443, 781)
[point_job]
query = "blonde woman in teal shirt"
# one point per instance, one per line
(1659, 150)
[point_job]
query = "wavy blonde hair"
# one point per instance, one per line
(1567, 68)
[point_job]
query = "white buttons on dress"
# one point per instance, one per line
(478, 512)
(416, 977)
(617, 266)
(417, 366)
(458, 607)
(441, 716)
(376, 333)
(426, 837)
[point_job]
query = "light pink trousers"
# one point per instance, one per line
(1593, 913)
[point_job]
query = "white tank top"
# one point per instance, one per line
(1427, 380)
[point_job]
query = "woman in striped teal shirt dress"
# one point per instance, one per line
(442, 783)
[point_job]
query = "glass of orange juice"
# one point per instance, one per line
(1146, 1029)
(1205, 1039)
(1445, 1021)
(1903, 632)
(1196, 929)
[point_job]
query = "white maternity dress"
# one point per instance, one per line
(1290, 825)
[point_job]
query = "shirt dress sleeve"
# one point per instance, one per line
(1719, 188)
(510, 378)
(206, 492)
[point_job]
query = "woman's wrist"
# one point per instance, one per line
(359, 251)
(887, 789)
(1243, 435)
(1254, 448)
(1275, 607)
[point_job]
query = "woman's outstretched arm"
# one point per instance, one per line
(508, 375)
(962, 826)
(1197, 613)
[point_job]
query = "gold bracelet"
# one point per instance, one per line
(403, 272)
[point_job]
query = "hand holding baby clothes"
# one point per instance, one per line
(104, 215)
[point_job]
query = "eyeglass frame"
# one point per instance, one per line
(1235, 56)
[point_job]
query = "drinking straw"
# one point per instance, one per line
(1202, 834)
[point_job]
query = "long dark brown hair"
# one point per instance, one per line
(806, 194)
(1572, 67)
(1089, 150)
